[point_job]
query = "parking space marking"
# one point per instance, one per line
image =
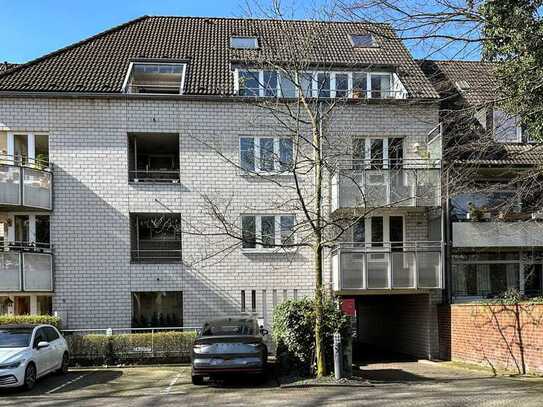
(172, 383)
(68, 383)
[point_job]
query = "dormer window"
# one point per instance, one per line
(244, 42)
(155, 78)
(363, 40)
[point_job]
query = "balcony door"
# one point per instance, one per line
(376, 232)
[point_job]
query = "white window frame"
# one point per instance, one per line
(126, 83)
(276, 154)
(252, 37)
(258, 232)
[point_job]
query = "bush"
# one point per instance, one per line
(294, 332)
(30, 319)
(133, 348)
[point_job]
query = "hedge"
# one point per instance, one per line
(30, 319)
(130, 348)
(294, 328)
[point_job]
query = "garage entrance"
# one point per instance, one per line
(395, 328)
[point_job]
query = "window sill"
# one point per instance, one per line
(257, 174)
(271, 250)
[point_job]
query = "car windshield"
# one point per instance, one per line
(230, 327)
(15, 337)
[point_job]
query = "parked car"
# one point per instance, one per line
(28, 352)
(229, 346)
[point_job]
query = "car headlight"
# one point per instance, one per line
(11, 365)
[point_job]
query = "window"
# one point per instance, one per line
(253, 301)
(153, 157)
(155, 78)
(266, 154)
(39, 336)
(506, 128)
(244, 42)
(51, 333)
(267, 231)
(155, 237)
(157, 309)
(242, 300)
(377, 152)
(331, 84)
(362, 40)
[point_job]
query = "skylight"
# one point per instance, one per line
(363, 40)
(243, 42)
(153, 77)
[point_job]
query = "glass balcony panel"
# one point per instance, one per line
(37, 188)
(352, 270)
(429, 266)
(10, 272)
(403, 269)
(37, 272)
(376, 187)
(402, 184)
(427, 193)
(10, 180)
(377, 266)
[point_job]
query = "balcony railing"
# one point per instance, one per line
(26, 267)
(497, 234)
(161, 176)
(25, 183)
(157, 251)
(378, 183)
(387, 266)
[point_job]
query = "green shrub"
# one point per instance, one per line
(30, 319)
(294, 332)
(92, 348)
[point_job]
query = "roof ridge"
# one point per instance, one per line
(295, 20)
(71, 46)
(453, 61)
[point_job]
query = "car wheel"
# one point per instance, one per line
(197, 380)
(30, 377)
(65, 363)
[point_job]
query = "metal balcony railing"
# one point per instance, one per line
(387, 265)
(154, 176)
(26, 266)
(383, 183)
(162, 250)
(25, 182)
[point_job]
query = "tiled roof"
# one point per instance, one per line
(448, 76)
(516, 154)
(100, 63)
(5, 66)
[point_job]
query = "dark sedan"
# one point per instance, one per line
(229, 345)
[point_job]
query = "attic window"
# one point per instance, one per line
(244, 42)
(462, 85)
(155, 78)
(363, 40)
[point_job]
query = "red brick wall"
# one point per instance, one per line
(509, 337)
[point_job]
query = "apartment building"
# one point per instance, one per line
(120, 150)
(494, 226)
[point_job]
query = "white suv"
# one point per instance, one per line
(28, 352)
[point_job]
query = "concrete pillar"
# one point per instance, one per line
(33, 305)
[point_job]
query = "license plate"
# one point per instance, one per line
(225, 347)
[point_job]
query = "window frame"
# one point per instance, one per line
(277, 170)
(374, 43)
(277, 238)
(367, 161)
(244, 37)
(126, 83)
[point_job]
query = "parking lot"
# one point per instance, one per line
(391, 384)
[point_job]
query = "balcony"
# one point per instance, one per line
(497, 234)
(362, 267)
(372, 184)
(25, 184)
(26, 267)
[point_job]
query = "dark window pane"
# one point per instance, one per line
(498, 279)
(377, 236)
(247, 153)
(376, 152)
(156, 238)
(396, 231)
(157, 309)
(248, 232)
(286, 154)
(253, 300)
(471, 280)
(266, 154)
(270, 83)
(268, 231)
(288, 87)
(306, 83)
(360, 85)
(42, 231)
(359, 231)
(287, 229)
(242, 300)
(362, 40)
(395, 152)
(380, 86)
(533, 280)
(359, 152)
(342, 85)
(323, 84)
(249, 84)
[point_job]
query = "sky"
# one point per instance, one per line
(32, 28)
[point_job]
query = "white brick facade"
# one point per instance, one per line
(90, 231)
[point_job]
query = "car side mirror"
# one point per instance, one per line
(42, 344)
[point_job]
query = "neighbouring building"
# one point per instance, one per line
(114, 147)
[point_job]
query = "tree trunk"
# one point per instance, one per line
(317, 158)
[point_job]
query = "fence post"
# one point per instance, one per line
(153, 343)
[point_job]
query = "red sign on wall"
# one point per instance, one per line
(348, 306)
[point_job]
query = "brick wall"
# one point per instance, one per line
(507, 337)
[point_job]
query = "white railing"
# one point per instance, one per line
(26, 269)
(383, 183)
(25, 182)
(387, 265)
